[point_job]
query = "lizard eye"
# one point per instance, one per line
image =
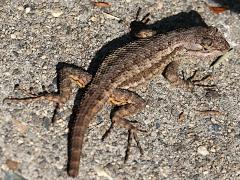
(206, 42)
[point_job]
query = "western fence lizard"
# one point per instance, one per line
(126, 68)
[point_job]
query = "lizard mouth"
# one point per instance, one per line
(207, 52)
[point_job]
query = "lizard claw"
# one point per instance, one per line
(145, 18)
(107, 132)
(190, 82)
(132, 134)
(44, 96)
(208, 77)
(125, 124)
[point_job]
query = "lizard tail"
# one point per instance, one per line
(89, 107)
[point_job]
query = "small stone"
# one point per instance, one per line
(213, 150)
(205, 172)
(158, 125)
(56, 12)
(43, 57)
(215, 127)
(20, 8)
(13, 165)
(27, 10)
(44, 66)
(13, 36)
(102, 172)
(20, 141)
(164, 171)
(16, 35)
(93, 19)
(202, 150)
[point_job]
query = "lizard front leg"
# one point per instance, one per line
(127, 103)
(171, 74)
(67, 76)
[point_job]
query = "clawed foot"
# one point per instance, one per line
(132, 134)
(190, 82)
(58, 101)
(139, 28)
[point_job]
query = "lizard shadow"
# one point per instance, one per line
(178, 21)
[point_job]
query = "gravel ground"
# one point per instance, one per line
(37, 35)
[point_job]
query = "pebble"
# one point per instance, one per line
(202, 150)
(13, 36)
(103, 173)
(93, 19)
(43, 57)
(205, 172)
(215, 127)
(27, 10)
(16, 35)
(56, 12)
(164, 171)
(13, 165)
(20, 8)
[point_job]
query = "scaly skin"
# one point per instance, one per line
(134, 64)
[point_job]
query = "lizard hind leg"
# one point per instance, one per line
(140, 28)
(67, 76)
(128, 103)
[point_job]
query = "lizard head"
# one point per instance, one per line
(208, 41)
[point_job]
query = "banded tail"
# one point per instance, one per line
(92, 103)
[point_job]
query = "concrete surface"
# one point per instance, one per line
(37, 35)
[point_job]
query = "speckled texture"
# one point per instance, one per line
(36, 36)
